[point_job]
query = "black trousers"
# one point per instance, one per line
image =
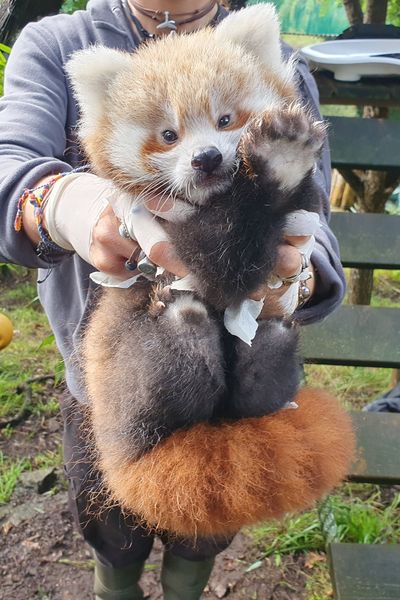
(116, 538)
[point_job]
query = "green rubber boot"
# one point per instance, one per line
(118, 584)
(183, 579)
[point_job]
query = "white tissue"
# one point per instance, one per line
(113, 282)
(241, 320)
(185, 284)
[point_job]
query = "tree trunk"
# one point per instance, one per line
(353, 11)
(375, 190)
(15, 14)
(376, 11)
(360, 286)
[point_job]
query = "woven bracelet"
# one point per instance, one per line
(37, 198)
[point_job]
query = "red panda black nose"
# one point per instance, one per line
(206, 159)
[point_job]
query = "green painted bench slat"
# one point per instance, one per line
(378, 449)
(364, 143)
(368, 240)
(354, 335)
(365, 572)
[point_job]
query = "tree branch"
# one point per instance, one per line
(376, 11)
(353, 11)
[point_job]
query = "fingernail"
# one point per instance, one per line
(130, 265)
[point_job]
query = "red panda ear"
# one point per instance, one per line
(256, 29)
(91, 73)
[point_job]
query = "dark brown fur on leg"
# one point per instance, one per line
(152, 367)
(212, 480)
(266, 374)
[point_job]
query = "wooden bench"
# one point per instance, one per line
(365, 336)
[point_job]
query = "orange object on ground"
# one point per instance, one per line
(6, 331)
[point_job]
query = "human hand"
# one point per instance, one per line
(289, 263)
(137, 222)
(81, 214)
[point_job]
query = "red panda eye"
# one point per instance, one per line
(224, 121)
(169, 136)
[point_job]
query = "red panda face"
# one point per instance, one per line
(168, 118)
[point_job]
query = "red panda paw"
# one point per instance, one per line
(283, 144)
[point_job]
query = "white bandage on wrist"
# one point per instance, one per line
(73, 208)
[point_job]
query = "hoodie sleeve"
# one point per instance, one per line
(32, 133)
(330, 281)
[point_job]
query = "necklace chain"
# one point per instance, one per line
(172, 20)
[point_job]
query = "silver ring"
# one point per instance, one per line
(130, 266)
(305, 263)
(292, 279)
(304, 292)
(131, 263)
(123, 232)
(147, 267)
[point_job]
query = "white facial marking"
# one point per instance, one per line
(125, 141)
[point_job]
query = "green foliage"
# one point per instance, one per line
(362, 520)
(70, 6)
(311, 17)
(32, 351)
(7, 271)
(4, 52)
(394, 12)
(10, 469)
(48, 459)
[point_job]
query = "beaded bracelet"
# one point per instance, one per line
(37, 197)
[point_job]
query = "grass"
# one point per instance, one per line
(361, 515)
(10, 469)
(299, 41)
(9, 473)
(353, 386)
(386, 290)
(362, 519)
(48, 459)
(26, 356)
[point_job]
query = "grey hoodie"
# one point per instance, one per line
(38, 115)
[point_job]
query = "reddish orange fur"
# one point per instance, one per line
(213, 480)
(241, 118)
(153, 146)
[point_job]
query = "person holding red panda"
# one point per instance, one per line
(71, 237)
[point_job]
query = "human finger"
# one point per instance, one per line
(108, 250)
(297, 240)
(168, 208)
(154, 241)
(288, 264)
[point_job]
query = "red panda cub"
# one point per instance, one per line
(213, 119)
